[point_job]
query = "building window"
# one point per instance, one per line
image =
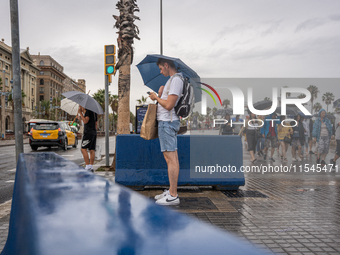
(41, 82)
(6, 82)
(41, 98)
(32, 92)
(41, 62)
(32, 105)
(41, 73)
(41, 90)
(6, 67)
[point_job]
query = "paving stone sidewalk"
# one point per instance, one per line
(298, 213)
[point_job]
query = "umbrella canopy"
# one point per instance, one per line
(223, 112)
(336, 103)
(304, 115)
(328, 116)
(69, 106)
(264, 104)
(289, 111)
(153, 79)
(84, 100)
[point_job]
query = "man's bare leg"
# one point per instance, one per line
(171, 158)
(85, 156)
(92, 156)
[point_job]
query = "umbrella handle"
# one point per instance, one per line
(74, 120)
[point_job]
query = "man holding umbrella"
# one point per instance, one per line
(168, 126)
(89, 119)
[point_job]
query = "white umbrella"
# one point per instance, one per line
(84, 100)
(69, 106)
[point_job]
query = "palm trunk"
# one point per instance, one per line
(123, 126)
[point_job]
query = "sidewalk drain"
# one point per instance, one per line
(243, 193)
(196, 203)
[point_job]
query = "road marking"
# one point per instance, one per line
(12, 170)
(10, 181)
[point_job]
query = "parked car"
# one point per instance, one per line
(52, 133)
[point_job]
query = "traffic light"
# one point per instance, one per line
(110, 59)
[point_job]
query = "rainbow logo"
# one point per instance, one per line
(213, 90)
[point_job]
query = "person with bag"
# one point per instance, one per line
(284, 136)
(322, 132)
(168, 126)
(252, 131)
(89, 118)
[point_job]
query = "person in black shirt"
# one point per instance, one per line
(89, 137)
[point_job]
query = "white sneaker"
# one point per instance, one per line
(299, 159)
(294, 159)
(168, 200)
(162, 195)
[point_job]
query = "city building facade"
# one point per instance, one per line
(28, 74)
(42, 81)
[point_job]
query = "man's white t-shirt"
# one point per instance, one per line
(176, 88)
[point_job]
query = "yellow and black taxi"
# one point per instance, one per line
(52, 133)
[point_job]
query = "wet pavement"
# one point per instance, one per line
(294, 210)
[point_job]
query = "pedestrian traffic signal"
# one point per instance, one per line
(110, 59)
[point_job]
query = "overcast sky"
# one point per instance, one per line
(218, 39)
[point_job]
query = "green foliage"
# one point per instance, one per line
(328, 98)
(226, 103)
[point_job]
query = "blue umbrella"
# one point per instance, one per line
(153, 79)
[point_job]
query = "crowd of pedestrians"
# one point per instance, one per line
(277, 133)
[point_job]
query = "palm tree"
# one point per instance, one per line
(142, 100)
(288, 94)
(328, 98)
(213, 111)
(302, 96)
(45, 105)
(314, 94)
(226, 103)
(127, 32)
(10, 98)
(317, 107)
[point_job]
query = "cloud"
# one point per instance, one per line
(310, 24)
(272, 28)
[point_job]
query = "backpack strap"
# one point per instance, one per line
(176, 74)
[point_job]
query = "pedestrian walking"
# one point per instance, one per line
(261, 140)
(337, 137)
(237, 128)
(298, 138)
(322, 132)
(284, 136)
(168, 126)
(269, 132)
(308, 139)
(226, 129)
(251, 127)
(89, 118)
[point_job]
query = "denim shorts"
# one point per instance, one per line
(167, 133)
